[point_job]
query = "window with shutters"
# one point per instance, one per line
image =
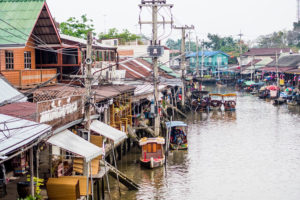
(27, 59)
(9, 60)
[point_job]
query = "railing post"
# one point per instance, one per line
(41, 76)
(20, 78)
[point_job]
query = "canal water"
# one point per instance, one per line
(253, 153)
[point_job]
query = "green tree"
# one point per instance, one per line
(77, 27)
(123, 37)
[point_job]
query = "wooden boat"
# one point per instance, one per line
(216, 101)
(229, 101)
(279, 101)
(221, 84)
(152, 152)
(292, 103)
(177, 135)
(200, 101)
(263, 93)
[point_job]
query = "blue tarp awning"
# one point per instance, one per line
(175, 123)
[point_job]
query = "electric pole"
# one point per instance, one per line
(88, 81)
(189, 41)
(202, 59)
(156, 5)
(183, 63)
(87, 111)
(277, 72)
(241, 51)
(197, 57)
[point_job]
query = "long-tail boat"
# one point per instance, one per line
(152, 152)
(229, 101)
(177, 135)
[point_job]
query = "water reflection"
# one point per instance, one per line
(253, 153)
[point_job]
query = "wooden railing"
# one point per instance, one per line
(29, 78)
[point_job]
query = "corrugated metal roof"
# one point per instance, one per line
(101, 92)
(25, 110)
(8, 93)
(16, 133)
(292, 60)
(266, 51)
(166, 69)
(20, 14)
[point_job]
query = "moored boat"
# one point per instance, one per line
(200, 101)
(177, 135)
(221, 84)
(229, 101)
(216, 101)
(152, 152)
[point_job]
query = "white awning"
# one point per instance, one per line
(108, 131)
(71, 142)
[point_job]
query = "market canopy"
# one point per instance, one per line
(248, 83)
(71, 142)
(16, 134)
(103, 129)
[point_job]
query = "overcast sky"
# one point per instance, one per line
(223, 17)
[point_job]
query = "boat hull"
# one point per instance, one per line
(152, 163)
(178, 147)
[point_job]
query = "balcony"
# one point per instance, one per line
(24, 79)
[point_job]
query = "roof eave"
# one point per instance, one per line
(9, 46)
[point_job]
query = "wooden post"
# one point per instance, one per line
(37, 162)
(102, 189)
(31, 172)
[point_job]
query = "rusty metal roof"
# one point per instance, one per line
(266, 51)
(24, 110)
(110, 91)
(101, 92)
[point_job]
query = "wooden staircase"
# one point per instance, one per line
(130, 184)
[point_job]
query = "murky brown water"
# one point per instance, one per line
(250, 154)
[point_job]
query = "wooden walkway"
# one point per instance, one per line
(130, 184)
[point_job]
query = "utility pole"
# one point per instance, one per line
(88, 95)
(202, 59)
(183, 63)
(156, 5)
(241, 51)
(189, 41)
(197, 57)
(277, 73)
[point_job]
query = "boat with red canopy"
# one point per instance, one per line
(152, 152)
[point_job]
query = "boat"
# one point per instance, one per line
(221, 84)
(216, 101)
(177, 135)
(274, 91)
(263, 93)
(200, 100)
(229, 101)
(152, 152)
(292, 103)
(279, 101)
